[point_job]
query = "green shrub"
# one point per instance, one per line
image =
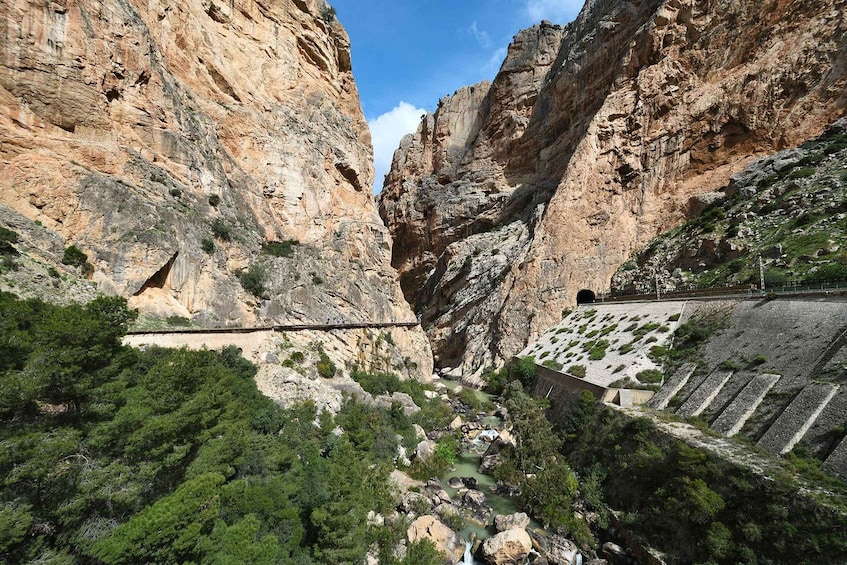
(598, 351)
(326, 368)
(577, 371)
(552, 364)
(207, 245)
(74, 256)
(7, 239)
(253, 280)
(802, 173)
(178, 321)
(280, 248)
(649, 376)
(221, 230)
(214, 200)
(522, 369)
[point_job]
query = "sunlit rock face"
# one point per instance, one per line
(513, 196)
(137, 130)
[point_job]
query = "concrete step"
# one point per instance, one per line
(734, 416)
(703, 396)
(796, 420)
(672, 387)
(836, 463)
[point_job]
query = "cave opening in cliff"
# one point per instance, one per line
(160, 278)
(585, 296)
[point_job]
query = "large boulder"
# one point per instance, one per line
(425, 450)
(446, 540)
(404, 400)
(561, 551)
(488, 464)
(507, 548)
(414, 502)
(505, 522)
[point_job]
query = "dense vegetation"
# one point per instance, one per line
(786, 210)
(692, 505)
(115, 455)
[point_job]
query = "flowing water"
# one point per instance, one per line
(467, 467)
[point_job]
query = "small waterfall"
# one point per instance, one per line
(468, 558)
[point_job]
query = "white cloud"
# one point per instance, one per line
(496, 60)
(481, 36)
(557, 11)
(386, 132)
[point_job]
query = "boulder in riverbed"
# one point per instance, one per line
(507, 548)
(505, 522)
(446, 540)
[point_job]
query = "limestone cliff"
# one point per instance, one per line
(593, 138)
(171, 140)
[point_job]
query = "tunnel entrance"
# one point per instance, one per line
(585, 296)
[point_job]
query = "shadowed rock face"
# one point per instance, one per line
(593, 138)
(120, 118)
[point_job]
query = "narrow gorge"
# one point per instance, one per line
(593, 138)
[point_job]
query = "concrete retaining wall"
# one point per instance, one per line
(734, 416)
(661, 399)
(705, 393)
(793, 424)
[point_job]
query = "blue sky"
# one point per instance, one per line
(408, 54)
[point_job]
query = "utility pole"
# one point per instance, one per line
(761, 275)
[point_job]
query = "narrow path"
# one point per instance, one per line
(279, 328)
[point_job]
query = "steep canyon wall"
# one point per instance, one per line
(170, 140)
(593, 138)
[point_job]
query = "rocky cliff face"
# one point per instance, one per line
(170, 140)
(593, 138)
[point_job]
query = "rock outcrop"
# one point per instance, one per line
(446, 540)
(592, 139)
(170, 140)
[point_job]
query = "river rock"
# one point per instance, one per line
(420, 433)
(560, 550)
(402, 458)
(455, 482)
(506, 438)
(401, 483)
(375, 518)
(488, 464)
(474, 498)
(504, 522)
(434, 484)
(446, 540)
(414, 502)
(425, 450)
(401, 398)
(614, 553)
(446, 511)
(443, 496)
(456, 423)
(507, 548)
